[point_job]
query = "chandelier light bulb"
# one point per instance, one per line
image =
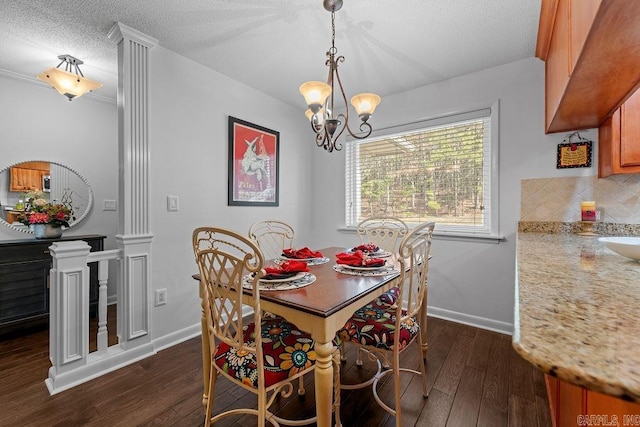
(365, 104)
(315, 94)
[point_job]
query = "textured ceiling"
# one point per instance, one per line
(274, 46)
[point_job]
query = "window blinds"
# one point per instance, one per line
(439, 171)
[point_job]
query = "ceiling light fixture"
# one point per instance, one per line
(319, 97)
(65, 81)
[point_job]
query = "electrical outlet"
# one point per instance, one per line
(110, 205)
(161, 297)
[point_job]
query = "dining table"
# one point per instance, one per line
(321, 309)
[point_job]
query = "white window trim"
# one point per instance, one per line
(493, 235)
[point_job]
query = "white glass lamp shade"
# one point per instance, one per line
(317, 119)
(365, 104)
(320, 115)
(315, 94)
(68, 84)
(309, 114)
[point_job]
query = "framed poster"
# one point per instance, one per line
(254, 156)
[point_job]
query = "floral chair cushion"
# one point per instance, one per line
(374, 324)
(287, 351)
(389, 298)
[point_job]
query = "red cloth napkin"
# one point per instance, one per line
(285, 270)
(367, 248)
(303, 253)
(358, 259)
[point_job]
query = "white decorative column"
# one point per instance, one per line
(134, 234)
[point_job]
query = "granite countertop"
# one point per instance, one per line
(577, 312)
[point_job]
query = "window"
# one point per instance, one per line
(442, 170)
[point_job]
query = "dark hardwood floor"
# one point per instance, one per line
(474, 376)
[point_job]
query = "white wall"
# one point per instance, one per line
(189, 109)
(189, 106)
(37, 123)
(188, 119)
(471, 282)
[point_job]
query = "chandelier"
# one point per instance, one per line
(319, 97)
(65, 81)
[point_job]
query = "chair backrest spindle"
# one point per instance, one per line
(224, 258)
(414, 266)
(272, 237)
(384, 232)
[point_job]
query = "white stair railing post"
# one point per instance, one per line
(69, 309)
(103, 276)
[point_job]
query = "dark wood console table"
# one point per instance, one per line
(24, 281)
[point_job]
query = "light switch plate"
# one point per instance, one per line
(110, 205)
(161, 297)
(172, 203)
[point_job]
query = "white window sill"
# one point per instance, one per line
(440, 235)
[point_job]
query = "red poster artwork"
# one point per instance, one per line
(253, 164)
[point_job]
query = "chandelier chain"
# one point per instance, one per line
(333, 32)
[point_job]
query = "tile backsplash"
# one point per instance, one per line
(558, 199)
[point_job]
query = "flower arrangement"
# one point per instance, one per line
(39, 210)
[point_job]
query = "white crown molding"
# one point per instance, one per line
(120, 31)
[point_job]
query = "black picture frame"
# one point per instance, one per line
(254, 164)
(574, 155)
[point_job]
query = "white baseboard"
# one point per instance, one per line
(116, 359)
(468, 319)
(177, 337)
(187, 333)
(64, 382)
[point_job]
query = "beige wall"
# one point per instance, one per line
(558, 199)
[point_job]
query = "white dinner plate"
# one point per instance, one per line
(379, 254)
(273, 285)
(298, 276)
(309, 261)
(363, 268)
(385, 271)
(286, 258)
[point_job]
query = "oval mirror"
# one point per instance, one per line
(58, 182)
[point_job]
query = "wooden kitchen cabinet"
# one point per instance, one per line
(553, 388)
(619, 140)
(12, 216)
(591, 50)
(573, 19)
(627, 413)
(24, 281)
(571, 405)
(557, 70)
(25, 179)
(28, 176)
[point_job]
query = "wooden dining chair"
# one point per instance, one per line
(272, 236)
(387, 330)
(263, 356)
(384, 232)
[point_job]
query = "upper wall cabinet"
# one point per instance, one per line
(591, 50)
(28, 176)
(619, 140)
